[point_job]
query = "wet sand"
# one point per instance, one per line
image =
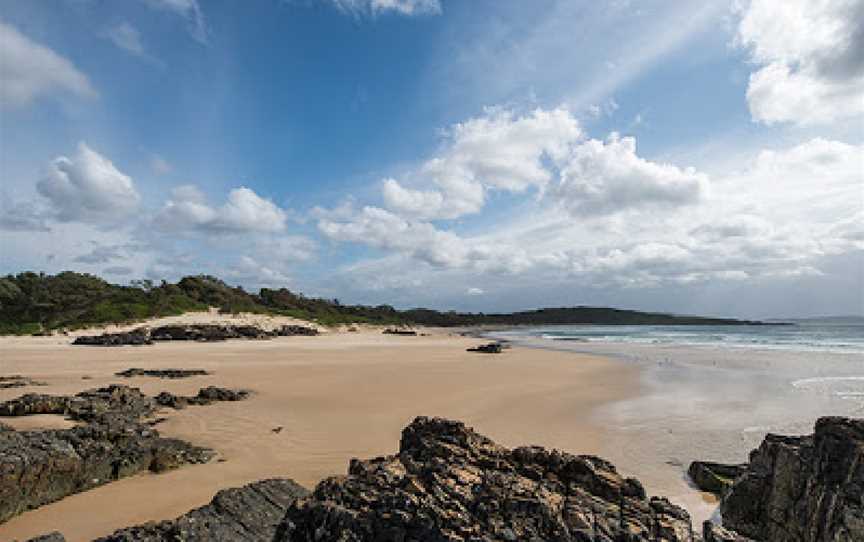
(335, 396)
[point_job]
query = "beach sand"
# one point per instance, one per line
(335, 396)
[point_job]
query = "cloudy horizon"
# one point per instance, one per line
(689, 157)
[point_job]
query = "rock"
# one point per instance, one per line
(491, 348)
(212, 393)
(715, 533)
(18, 381)
(802, 488)
(450, 483)
(138, 337)
(205, 396)
(249, 513)
(714, 478)
(50, 537)
(162, 373)
(39, 467)
(293, 330)
(399, 331)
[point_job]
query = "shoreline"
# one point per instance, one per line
(336, 396)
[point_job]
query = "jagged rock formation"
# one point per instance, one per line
(399, 331)
(193, 332)
(38, 467)
(248, 513)
(18, 381)
(714, 478)
(162, 373)
(56, 536)
(802, 488)
(450, 483)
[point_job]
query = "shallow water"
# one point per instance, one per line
(713, 394)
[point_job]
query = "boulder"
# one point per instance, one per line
(450, 483)
(802, 488)
(714, 478)
(712, 532)
(294, 330)
(249, 513)
(138, 337)
(490, 348)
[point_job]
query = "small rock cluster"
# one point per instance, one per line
(205, 396)
(162, 373)
(490, 348)
(18, 381)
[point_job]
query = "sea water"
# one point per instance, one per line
(712, 392)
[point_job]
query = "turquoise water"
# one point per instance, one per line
(840, 338)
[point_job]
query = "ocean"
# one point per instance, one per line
(838, 338)
(712, 392)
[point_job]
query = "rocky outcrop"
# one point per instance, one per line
(249, 513)
(205, 396)
(399, 331)
(802, 488)
(192, 332)
(138, 337)
(714, 478)
(294, 330)
(56, 536)
(162, 373)
(39, 467)
(18, 381)
(450, 483)
(490, 348)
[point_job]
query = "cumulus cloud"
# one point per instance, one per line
(811, 58)
(496, 151)
(31, 70)
(243, 212)
(189, 10)
(88, 188)
(250, 271)
(606, 177)
(378, 7)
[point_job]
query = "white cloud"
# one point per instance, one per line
(243, 212)
(188, 9)
(474, 291)
(22, 216)
(250, 271)
(811, 58)
(378, 7)
(88, 188)
(496, 151)
(30, 70)
(606, 177)
(126, 37)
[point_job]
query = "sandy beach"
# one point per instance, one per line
(336, 396)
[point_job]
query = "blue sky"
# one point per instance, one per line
(483, 155)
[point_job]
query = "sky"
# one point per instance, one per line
(485, 155)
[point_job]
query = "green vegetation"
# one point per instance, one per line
(34, 303)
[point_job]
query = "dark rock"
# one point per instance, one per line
(449, 483)
(248, 513)
(137, 337)
(50, 537)
(714, 478)
(715, 533)
(205, 396)
(39, 467)
(293, 330)
(399, 331)
(18, 381)
(491, 348)
(802, 488)
(162, 373)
